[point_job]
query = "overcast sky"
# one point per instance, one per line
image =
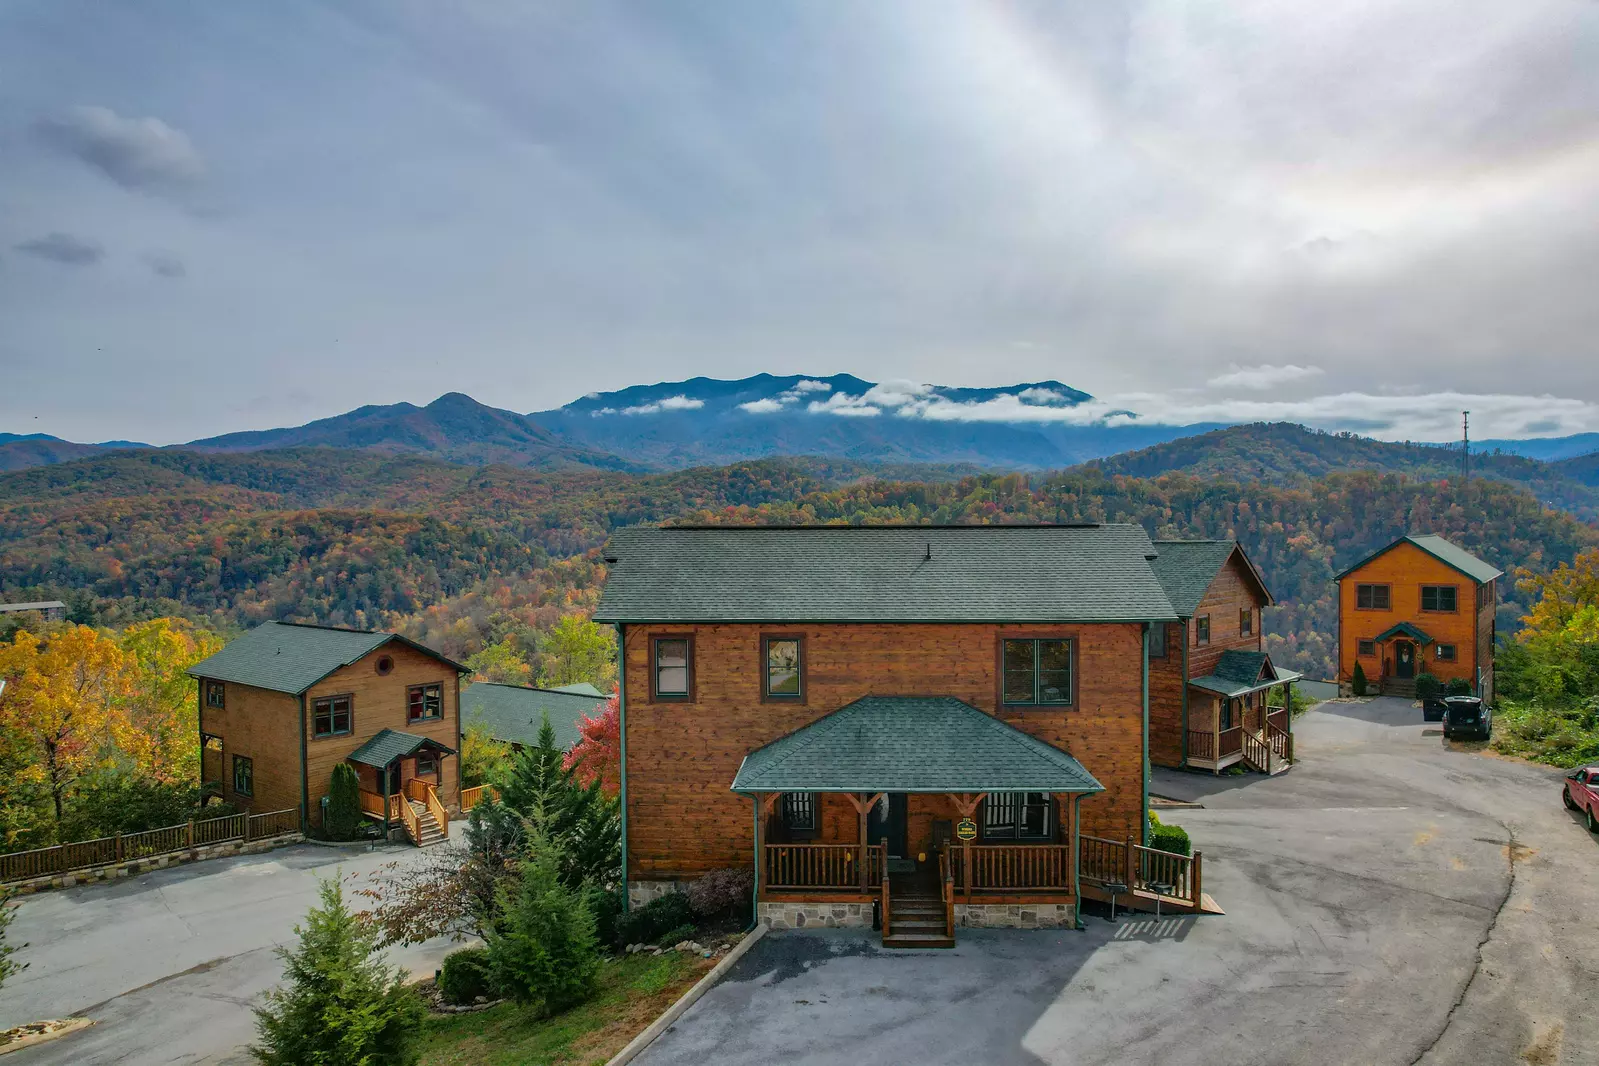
(220, 216)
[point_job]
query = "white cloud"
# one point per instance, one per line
(670, 403)
(806, 385)
(1042, 395)
(136, 153)
(762, 407)
(1264, 376)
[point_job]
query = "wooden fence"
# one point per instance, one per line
(84, 854)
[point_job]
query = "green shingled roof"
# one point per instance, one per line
(513, 713)
(1406, 629)
(288, 657)
(910, 744)
(1442, 550)
(391, 744)
(1092, 573)
(1238, 672)
(1187, 567)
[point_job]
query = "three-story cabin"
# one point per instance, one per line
(932, 723)
(1209, 674)
(1419, 605)
(284, 704)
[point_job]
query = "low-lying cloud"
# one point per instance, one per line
(1263, 377)
(62, 248)
(143, 154)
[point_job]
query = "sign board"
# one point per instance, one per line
(966, 829)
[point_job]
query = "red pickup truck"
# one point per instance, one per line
(1582, 794)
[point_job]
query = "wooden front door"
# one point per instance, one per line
(1404, 659)
(888, 824)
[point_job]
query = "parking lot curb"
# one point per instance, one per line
(685, 1001)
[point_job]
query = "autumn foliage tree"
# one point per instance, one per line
(597, 756)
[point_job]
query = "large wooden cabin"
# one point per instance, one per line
(284, 704)
(941, 724)
(1209, 674)
(1419, 605)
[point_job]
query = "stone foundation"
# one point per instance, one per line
(136, 867)
(641, 892)
(1016, 915)
(816, 915)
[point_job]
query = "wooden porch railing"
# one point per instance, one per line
(1256, 752)
(827, 866)
(372, 804)
(1101, 860)
(888, 911)
(1278, 718)
(471, 797)
(413, 824)
(1202, 744)
(1229, 741)
(1015, 867)
(1280, 741)
(946, 870)
(1139, 868)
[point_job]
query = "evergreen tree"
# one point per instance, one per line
(584, 824)
(344, 803)
(8, 968)
(544, 953)
(338, 1005)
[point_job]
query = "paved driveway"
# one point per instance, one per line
(170, 964)
(1388, 901)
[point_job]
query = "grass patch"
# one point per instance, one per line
(632, 992)
(1560, 737)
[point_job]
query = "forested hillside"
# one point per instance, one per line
(1284, 453)
(452, 553)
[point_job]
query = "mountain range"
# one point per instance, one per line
(1028, 426)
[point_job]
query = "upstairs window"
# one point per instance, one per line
(1438, 598)
(216, 695)
(1445, 653)
(1037, 672)
(1372, 597)
(1157, 640)
(243, 776)
(799, 811)
(332, 716)
(424, 702)
(1202, 631)
(1246, 621)
(1016, 816)
(785, 675)
(673, 667)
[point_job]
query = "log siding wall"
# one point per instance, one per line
(682, 820)
(263, 726)
(1405, 568)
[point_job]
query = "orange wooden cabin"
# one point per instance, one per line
(1419, 605)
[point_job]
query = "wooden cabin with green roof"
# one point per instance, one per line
(1209, 673)
(284, 704)
(938, 726)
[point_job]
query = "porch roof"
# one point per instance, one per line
(391, 744)
(1239, 673)
(910, 744)
(1406, 629)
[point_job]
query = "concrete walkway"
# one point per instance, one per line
(1389, 900)
(170, 965)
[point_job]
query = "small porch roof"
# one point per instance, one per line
(1405, 629)
(391, 744)
(1238, 673)
(910, 744)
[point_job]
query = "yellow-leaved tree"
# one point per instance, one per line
(64, 707)
(163, 711)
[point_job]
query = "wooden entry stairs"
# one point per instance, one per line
(919, 912)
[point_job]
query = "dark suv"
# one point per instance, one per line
(1467, 716)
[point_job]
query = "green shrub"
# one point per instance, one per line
(1459, 686)
(337, 1004)
(542, 953)
(1173, 838)
(1428, 686)
(676, 936)
(8, 968)
(1357, 683)
(722, 893)
(648, 923)
(344, 803)
(606, 905)
(466, 975)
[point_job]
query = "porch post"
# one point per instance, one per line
(384, 773)
(861, 809)
(760, 857)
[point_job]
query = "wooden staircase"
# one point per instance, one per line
(1270, 752)
(919, 913)
(428, 831)
(1403, 687)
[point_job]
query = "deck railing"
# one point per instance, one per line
(1229, 741)
(1256, 752)
(103, 851)
(1281, 742)
(1202, 745)
(826, 866)
(1129, 863)
(471, 797)
(1014, 868)
(1278, 718)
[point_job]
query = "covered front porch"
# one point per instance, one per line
(400, 774)
(915, 816)
(1230, 719)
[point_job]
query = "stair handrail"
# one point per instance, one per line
(1280, 741)
(1257, 751)
(413, 825)
(949, 888)
(436, 809)
(886, 919)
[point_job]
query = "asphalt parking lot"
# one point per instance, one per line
(1389, 900)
